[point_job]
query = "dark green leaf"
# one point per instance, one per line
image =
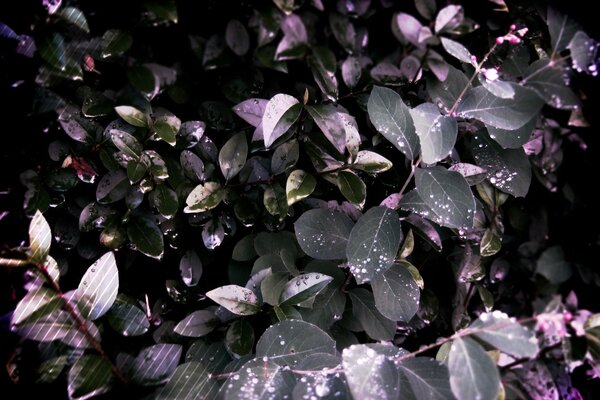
(374, 324)
(448, 18)
(165, 200)
(204, 197)
(562, 28)
(238, 300)
(75, 17)
(547, 79)
(52, 48)
(197, 324)
(303, 287)
(240, 337)
(490, 244)
(284, 157)
(553, 266)
(373, 243)
(505, 334)
(513, 139)
(391, 117)
(258, 379)
(132, 116)
(126, 143)
(396, 294)
(457, 50)
(272, 286)
(280, 114)
(40, 238)
(115, 42)
(190, 381)
(473, 374)
(445, 93)
(145, 235)
(190, 268)
(299, 185)
(370, 376)
(137, 169)
(155, 364)
(437, 133)
(371, 162)
(328, 119)
(244, 249)
(166, 127)
(424, 378)
(99, 286)
(232, 156)
(89, 377)
(51, 369)
(127, 319)
(293, 44)
(323, 233)
(35, 304)
(352, 187)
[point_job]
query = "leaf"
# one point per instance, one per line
(132, 116)
(35, 304)
(115, 42)
(251, 111)
(553, 266)
(547, 80)
(562, 28)
(373, 322)
(391, 117)
(445, 93)
(40, 238)
(288, 342)
(472, 173)
(370, 376)
(437, 133)
(280, 114)
(284, 157)
(497, 87)
(373, 243)
(299, 185)
(204, 197)
(239, 338)
(166, 127)
(237, 37)
(147, 237)
(99, 286)
(190, 381)
(507, 169)
(423, 378)
(190, 268)
(197, 324)
(473, 374)
(448, 194)
(75, 17)
(295, 38)
(126, 143)
(165, 200)
(258, 379)
(448, 18)
(505, 334)
(155, 364)
(583, 53)
(137, 169)
(457, 50)
(52, 48)
(352, 187)
(490, 244)
(513, 139)
(406, 28)
(303, 287)
(323, 233)
(213, 234)
(481, 104)
(232, 156)
(396, 294)
(328, 119)
(89, 377)
(127, 319)
(351, 71)
(371, 162)
(238, 300)
(49, 370)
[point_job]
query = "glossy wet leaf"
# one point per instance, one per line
(505, 334)
(132, 116)
(370, 376)
(437, 133)
(35, 304)
(448, 194)
(299, 185)
(371, 162)
(281, 112)
(445, 93)
(391, 117)
(323, 233)
(583, 51)
(289, 342)
(166, 127)
(75, 17)
(89, 376)
(513, 139)
(154, 364)
(549, 83)
(376, 325)
(328, 119)
(232, 156)
(510, 114)
(396, 294)
(189, 381)
(115, 42)
(258, 379)
(472, 173)
(294, 41)
(285, 157)
(145, 234)
(238, 300)
(190, 268)
(303, 287)
(99, 286)
(52, 48)
(251, 110)
(373, 243)
(473, 374)
(507, 169)
(204, 197)
(197, 324)
(352, 187)
(127, 319)
(239, 338)
(424, 378)
(40, 238)
(457, 50)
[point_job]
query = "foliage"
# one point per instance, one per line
(260, 209)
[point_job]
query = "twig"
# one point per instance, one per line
(410, 176)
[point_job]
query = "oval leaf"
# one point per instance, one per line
(370, 376)
(473, 374)
(303, 287)
(232, 156)
(99, 285)
(396, 294)
(238, 300)
(198, 323)
(323, 233)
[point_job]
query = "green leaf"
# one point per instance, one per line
(89, 377)
(190, 381)
(457, 50)
(232, 156)
(303, 287)
(288, 342)
(510, 114)
(473, 374)
(127, 319)
(155, 364)
(323, 233)
(448, 194)
(244, 249)
(490, 244)
(275, 200)
(145, 235)
(35, 304)
(352, 187)
(204, 197)
(562, 28)
(280, 114)
(126, 142)
(190, 268)
(553, 266)
(238, 300)
(507, 169)
(370, 376)
(197, 324)
(52, 48)
(40, 238)
(396, 294)
(272, 286)
(513, 139)
(330, 303)
(505, 334)
(75, 17)
(99, 286)
(546, 78)
(258, 379)
(137, 169)
(371, 162)
(423, 378)
(328, 119)
(132, 116)
(373, 322)
(373, 243)
(445, 93)
(284, 157)
(115, 42)
(51, 369)
(437, 133)
(299, 185)
(239, 338)
(165, 200)
(166, 127)
(391, 117)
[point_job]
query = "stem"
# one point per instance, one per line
(80, 323)
(13, 262)
(410, 176)
(477, 70)
(542, 352)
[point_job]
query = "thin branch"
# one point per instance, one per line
(13, 262)
(410, 176)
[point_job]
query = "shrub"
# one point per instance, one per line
(304, 200)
